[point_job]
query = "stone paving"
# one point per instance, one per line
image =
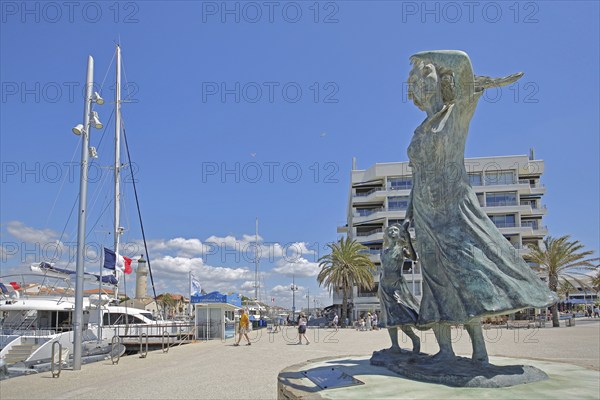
(218, 370)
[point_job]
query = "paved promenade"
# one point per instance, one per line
(218, 370)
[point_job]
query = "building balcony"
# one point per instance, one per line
(342, 229)
(364, 299)
(524, 187)
(376, 214)
(367, 212)
(375, 258)
(541, 210)
(370, 251)
(370, 196)
(526, 229)
(371, 236)
(507, 209)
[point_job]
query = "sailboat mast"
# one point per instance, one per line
(117, 199)
(256, 281)
(83, 181)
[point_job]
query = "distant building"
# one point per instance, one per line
(508, 189)
(579, 290)
(146, 303)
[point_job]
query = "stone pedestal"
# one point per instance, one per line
(362, 380)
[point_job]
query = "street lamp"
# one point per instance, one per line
(294, 288)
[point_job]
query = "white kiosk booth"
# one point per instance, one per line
(215, 315)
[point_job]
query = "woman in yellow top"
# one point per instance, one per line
(243, 328)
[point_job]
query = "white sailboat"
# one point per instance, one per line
(30, 324)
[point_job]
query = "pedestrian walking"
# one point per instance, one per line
(243, 328)
(369, 322)
(335, 322)
(375, 321)
(302, 328)
(596, 312)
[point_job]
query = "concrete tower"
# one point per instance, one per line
(141, 279)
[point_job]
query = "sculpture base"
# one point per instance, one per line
(458, 372)
(564, 381)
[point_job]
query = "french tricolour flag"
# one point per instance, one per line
(113, 260)
(11, 287)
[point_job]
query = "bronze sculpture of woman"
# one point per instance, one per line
(469, 269)
(399, 308)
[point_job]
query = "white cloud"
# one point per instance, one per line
(290, 251)
(284, 289)
(233, 242)
(31, 235)
(248, 285)
(171, 274)
(301, 268)
(268, 250)
(179, 247)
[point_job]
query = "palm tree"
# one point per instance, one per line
(168, 302)
(596, 282)
(346, 266)
(560, 258)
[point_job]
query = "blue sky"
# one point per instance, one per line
(284, 97)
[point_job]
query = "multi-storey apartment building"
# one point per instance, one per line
(508, 189)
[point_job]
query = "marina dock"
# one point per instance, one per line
(218, 370)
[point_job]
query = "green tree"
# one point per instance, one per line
(346, 266)
(596, 282)
(168, 302)
(561, 258)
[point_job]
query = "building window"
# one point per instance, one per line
(503, 220)
(365, 212)
(501, 199)
(500, 178)
(475, 179)
(396, 203)
(400, 183)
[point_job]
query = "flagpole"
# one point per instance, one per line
(190, 287)
(100, 297)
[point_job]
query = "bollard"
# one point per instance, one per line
(165, 334)
(113, 344)
(56, 374)
(143, 353)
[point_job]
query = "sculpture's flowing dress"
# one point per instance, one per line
(469, 268)
(398, 305)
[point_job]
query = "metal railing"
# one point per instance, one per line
(365, 194)
(370, 251)
(369, 233)
(366, 212)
